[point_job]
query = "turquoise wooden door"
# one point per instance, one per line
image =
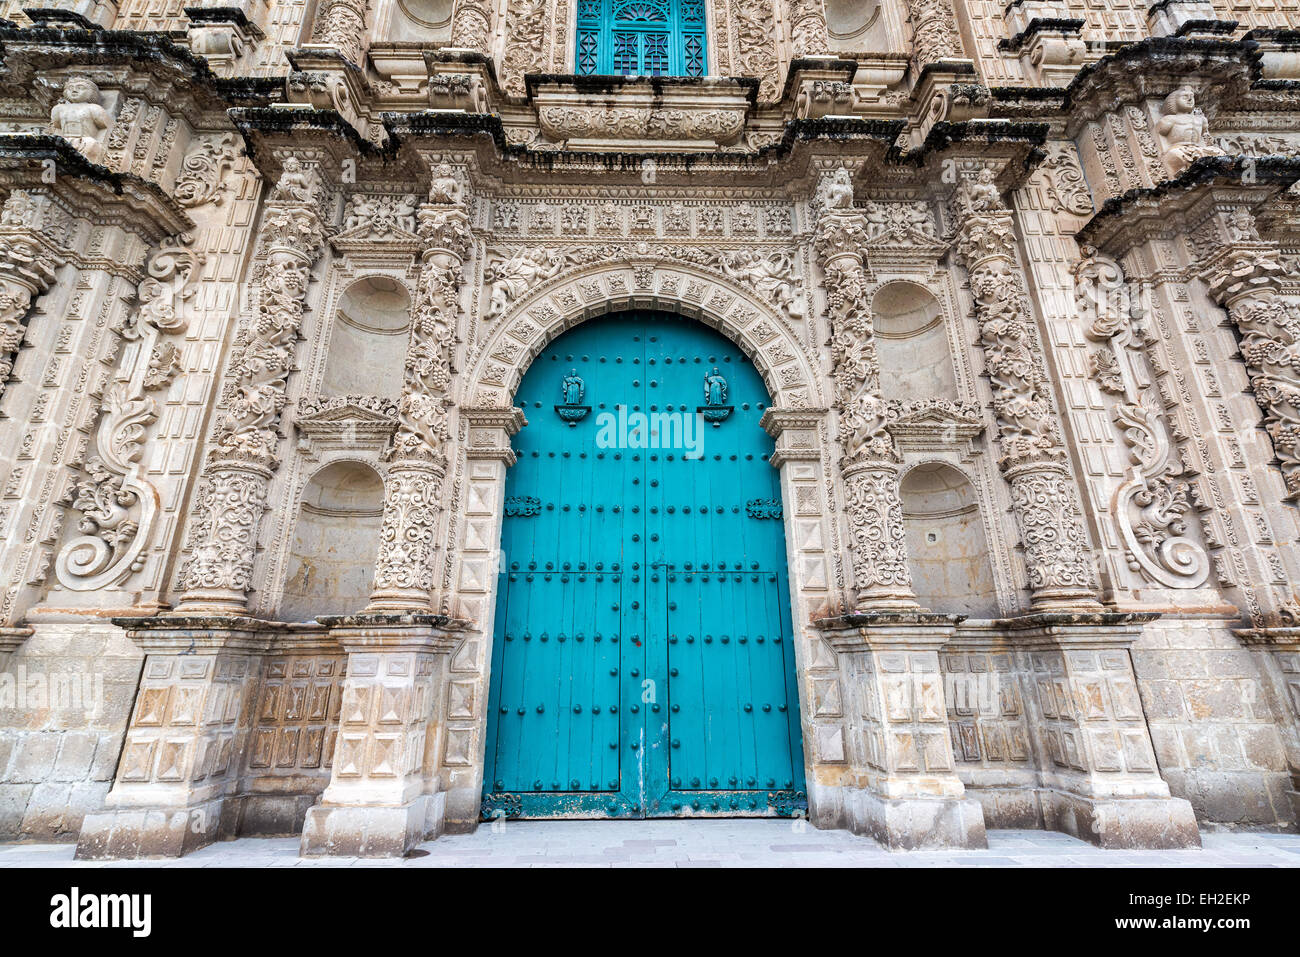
(642, 659)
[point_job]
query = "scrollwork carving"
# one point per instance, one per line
(117, 502)
(1151, 504)
(202, 175)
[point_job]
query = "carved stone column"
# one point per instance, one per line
(934, 31)
(806, 21)
(869, 468)
(1058, 559)
(182, 754)
(1245, 277)
(341, 24)
(904, 792)
(24, 275)
(471, 25)
(243, 458)
(404, 566)
(384, 797)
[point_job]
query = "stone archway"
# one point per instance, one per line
(494, 367)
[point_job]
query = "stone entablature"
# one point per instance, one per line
(177, 304)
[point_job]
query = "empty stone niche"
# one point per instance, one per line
(946, 545)
(417, 20)
(912, 343)
(368, 340)
(852, 24)
(332, 563)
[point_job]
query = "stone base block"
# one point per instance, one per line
(917, 823)
(1009, 807)
(274, 815)
(369, 830)
(128, 833)
(1154, 823)
(1294, 798)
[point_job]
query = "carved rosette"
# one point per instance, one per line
(869, 467)
(1057, 558)
(243, 456)
(413, 489)
(1245, 277)
(342, 25)
(934, 31)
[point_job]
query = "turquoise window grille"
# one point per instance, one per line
(641, 37)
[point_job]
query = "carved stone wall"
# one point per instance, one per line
(1112, 262)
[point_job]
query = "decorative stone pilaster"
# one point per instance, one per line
(1244, 275)
(341, 24)
(243, 457)
(384, 795)
(24, 275)
(404, 567)
(181, 758)
(114, 495)
(877, 538)
(904, 790)
(1058, 559)
(1099, 780)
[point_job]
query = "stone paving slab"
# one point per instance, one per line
(726, 843)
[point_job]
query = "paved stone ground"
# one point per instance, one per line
(725, 843)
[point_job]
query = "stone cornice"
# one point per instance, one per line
(1154, 68)
(1166, 209)
(26, 53)
(95, 191)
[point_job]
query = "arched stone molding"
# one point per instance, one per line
(797, 419)
(495, 367)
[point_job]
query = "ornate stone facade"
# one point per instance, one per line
(1021, 285)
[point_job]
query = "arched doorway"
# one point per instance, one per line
(643, 661)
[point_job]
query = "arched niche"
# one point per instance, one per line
(368, 340)
(332, 563)
(946, 546)
(417, 20)
(853, 25)
(912, 344)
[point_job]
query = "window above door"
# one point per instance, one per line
(641, 38)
